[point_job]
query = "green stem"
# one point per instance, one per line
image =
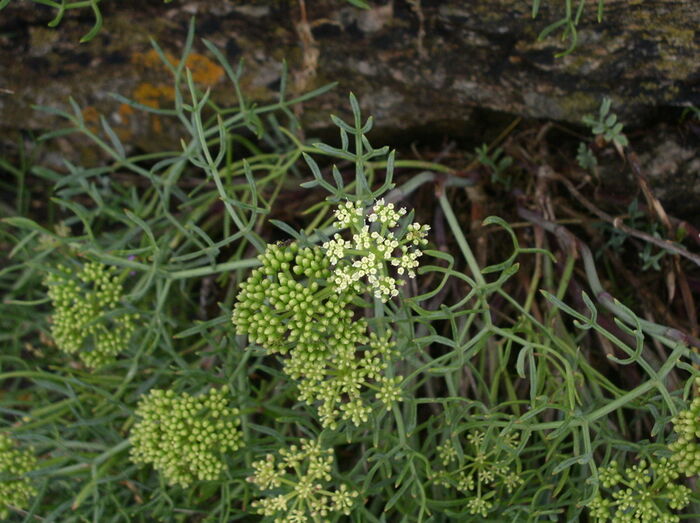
(600, 412)
(462, 241)
(97, 461)
(415, 164)
(400, 426)
(214, 269)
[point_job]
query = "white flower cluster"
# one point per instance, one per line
(336, 248)
(385, 214)
(348, 213)
(373, 248)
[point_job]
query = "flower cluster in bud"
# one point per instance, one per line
(185, 437)
(686, 449)
(86, 318)
(17, 489)
(484, 467)
(299, 478)
(377, 244)
(643, 493)
(289, 307)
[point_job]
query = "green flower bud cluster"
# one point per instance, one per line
(185, 437)
(486, 474)
(643, 493)
(299, 478)
(16, 489)
(377, 244)
(686, 449)
(84, 319)
(288, 307)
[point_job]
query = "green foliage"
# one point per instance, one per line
(636, 219)
(585, 158)
(497, 163)
(185, 437)
(568, 23)
(690, 112)
(451, 392)
(606, 125)
(16, 489)
(89, 318)
(651, 259)
(359, 3)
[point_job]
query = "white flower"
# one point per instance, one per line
(363, 240)
(407, 262)
(374, 251)
(336, 248)
(367, 265)
(384, 287)
(387, 245)
(345, 277)
(347, 214)
(416, 234)
(385, 214)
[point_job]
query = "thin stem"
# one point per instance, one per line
(462, 241)
(215, 269)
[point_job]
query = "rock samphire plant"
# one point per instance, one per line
(255, 326)
(185, 437)
(88, 315)
(300, 304)
(16, 488)
(300, 474)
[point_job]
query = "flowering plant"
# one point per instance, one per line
(88, 317)
(686, 447)
(486, 469)
(298, 476)
(185, 437)
(291, 307)
(366, 375)
(370, 253)
(645, 493)
(16, 489)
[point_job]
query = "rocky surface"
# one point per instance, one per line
(410, 61)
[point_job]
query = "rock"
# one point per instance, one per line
(673, 171)
(414, 64)
(440, 59)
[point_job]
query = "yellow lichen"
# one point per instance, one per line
(204, 71)
(124, 111)
(151, 59)
(91, 118)
(123, 127)
(151, 94)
